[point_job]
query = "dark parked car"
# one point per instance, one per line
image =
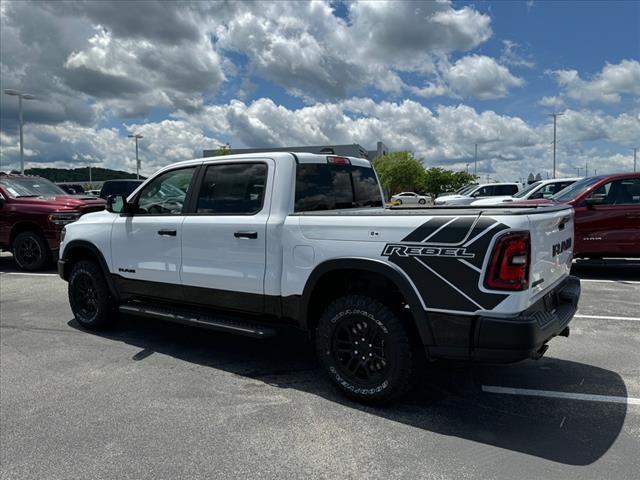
(607, 218)
(72, 188)
(32, 213)
(118, 187)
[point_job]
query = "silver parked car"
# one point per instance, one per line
(411, 198)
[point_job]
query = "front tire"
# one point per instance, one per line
(30, 251)
(89, 296)
(422, 201)
(365, 349)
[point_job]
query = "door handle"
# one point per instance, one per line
(167, 233)
(252, 235)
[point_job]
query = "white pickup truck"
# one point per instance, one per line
(250, 243)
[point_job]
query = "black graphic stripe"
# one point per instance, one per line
(444, 282)
(453, 233)
(435, 292)
(426, 229)
(465, 279)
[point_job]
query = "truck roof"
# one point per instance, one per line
(298, 157)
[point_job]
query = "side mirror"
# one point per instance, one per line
(117, 204)
(595, 199)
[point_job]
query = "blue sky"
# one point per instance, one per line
(432, 78)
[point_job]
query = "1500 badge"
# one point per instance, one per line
(404, 250)
(558, 248)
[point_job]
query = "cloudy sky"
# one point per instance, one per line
(433, 78)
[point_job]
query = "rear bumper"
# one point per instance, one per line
(506, 340)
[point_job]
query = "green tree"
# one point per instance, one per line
(399, 171)
(439, 180)
(223, 150)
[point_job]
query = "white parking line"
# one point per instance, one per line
(607, 317)
(32, 274)
(595, 280)
(565, 395)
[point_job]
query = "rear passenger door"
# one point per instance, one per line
(224, 235)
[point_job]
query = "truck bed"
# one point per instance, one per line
(437, 211)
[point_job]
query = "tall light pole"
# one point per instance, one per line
(21, 96)
(635, 151)
(475, 162)
(555, 118)
(137, 137)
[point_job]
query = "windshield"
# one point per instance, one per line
(575, 189)
(464, 189)
(30, 187)
(523, 193)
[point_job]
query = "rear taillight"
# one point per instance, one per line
(509, 263)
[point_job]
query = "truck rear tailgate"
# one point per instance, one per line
(551, 249)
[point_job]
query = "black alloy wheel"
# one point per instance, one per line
(30, 251)
(366, 350)
(359, 350)
(85, 296)
(89, 296)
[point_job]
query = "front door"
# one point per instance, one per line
(224, 239)
(146, 245)
(610, 227)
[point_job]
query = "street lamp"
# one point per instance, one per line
(21, 96)
(137, 136)
(555, 119)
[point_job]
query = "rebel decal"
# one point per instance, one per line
(444, 256)
(408, 250)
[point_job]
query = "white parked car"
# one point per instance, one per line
(482, 190)
(411, 198)
(540, 189)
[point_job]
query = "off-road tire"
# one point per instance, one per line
(30, 251)
(89, 296)
(392, 346)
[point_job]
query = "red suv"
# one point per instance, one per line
(32, 213)
(607, 218)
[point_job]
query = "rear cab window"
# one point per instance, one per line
(324, 186)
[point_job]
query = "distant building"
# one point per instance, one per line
(351, 150)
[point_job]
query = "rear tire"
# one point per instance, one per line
(89, 296)
(30, 251)
(366, 350)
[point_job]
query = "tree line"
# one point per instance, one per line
(98, 174)
(402, 172)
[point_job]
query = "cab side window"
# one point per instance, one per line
(233, 189)
(620, 192)
(165, 194)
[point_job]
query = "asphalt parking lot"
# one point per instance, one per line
(154, 400)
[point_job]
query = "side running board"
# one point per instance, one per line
(224, 323)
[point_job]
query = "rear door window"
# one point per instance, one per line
(233, 189)
(320, 186)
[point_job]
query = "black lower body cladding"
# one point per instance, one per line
(505, 340)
